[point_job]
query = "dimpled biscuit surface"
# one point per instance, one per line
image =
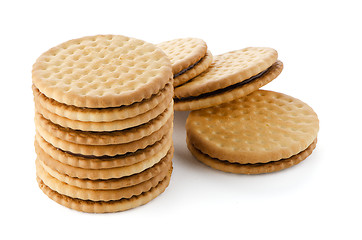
(228, 69)
(101, 71)
(261, 127)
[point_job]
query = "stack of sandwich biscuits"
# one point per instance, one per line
(104, 120)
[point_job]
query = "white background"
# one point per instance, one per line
(320, 45)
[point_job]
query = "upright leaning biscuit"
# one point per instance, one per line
(263, 132)
(189, 58)
(232, 75)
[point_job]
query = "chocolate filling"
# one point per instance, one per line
(186, 69)
(224, 89)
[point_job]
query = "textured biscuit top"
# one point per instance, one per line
(183, 52)
(102, 71)
(261, 127)
(228, 69)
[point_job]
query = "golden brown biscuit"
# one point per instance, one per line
(228, 69)
(232, 75)
(230, 93)
(183, 52)
(262, 127)
(102, 71)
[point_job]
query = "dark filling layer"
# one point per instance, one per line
(224, 89)
(186, 69)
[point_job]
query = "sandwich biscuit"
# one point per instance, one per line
(102, 71)
(232, 75)
(189, 58)
(262, 128)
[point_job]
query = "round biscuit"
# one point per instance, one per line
(228, 69)
(183, 52)
(261, 127)
(102, 71)
(229, 94)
